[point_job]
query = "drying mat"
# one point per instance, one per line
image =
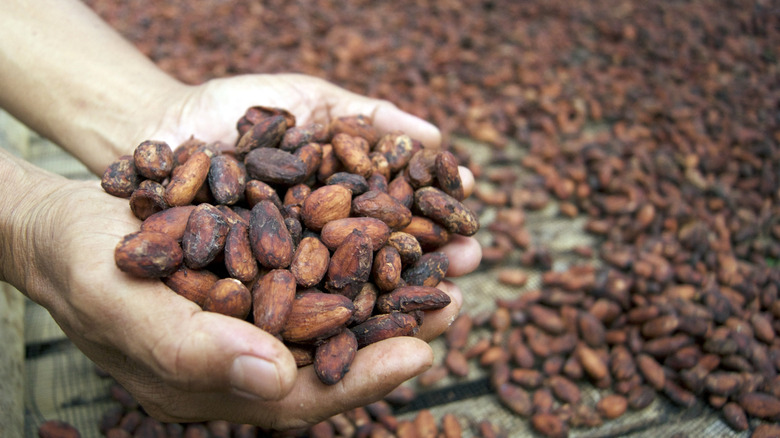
(61, 383)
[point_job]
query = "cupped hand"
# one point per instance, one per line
(182, 363)
(210, 111)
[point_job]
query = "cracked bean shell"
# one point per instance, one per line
(446, 210)
(204, 237)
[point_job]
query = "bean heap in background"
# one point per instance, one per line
(655, 120)
(324, 236)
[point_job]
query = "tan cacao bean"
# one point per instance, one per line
(298, 136)
(450, 426)
(316, 316)
(329, 164)
(564, 389)
(272, 300)
(311, 156)
(191, 284)
(651, 370)
(457, 363)
(324, 205)
(612, 406)
(184, 150)
(240, 262)
(421, 170)
(386, 268)
(187, 179)
(526, 377)
(457, 333)
(171, 221)
(591, 362)
(448, 175)
(229, 297)
(640, 397)
(425, 424)
(148, 254)
(382, 206)
(735, 416)
(296, 195)
(547, 319)
(335, 232)
(353, 153)
(766, 430)
(428, 233)
(310, 262)
(761, 405)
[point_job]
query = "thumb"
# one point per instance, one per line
(193, 350)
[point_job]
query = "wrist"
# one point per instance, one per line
(114, 123)
(76, 81)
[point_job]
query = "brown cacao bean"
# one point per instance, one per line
(148, 254)
(271, 242)
(333, 357)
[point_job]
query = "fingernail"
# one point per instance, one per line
(255, 377)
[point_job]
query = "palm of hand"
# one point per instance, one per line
(210, 112)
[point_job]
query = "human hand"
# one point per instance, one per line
(184, 364)
(210, 111)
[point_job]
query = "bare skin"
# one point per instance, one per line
(77, 82)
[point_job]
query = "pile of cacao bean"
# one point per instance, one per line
(127, 419)
(655, 120)
(324, 236)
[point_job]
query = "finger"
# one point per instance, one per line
(435, 322)
(377, 369)
(464, 255)
(467, 179)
